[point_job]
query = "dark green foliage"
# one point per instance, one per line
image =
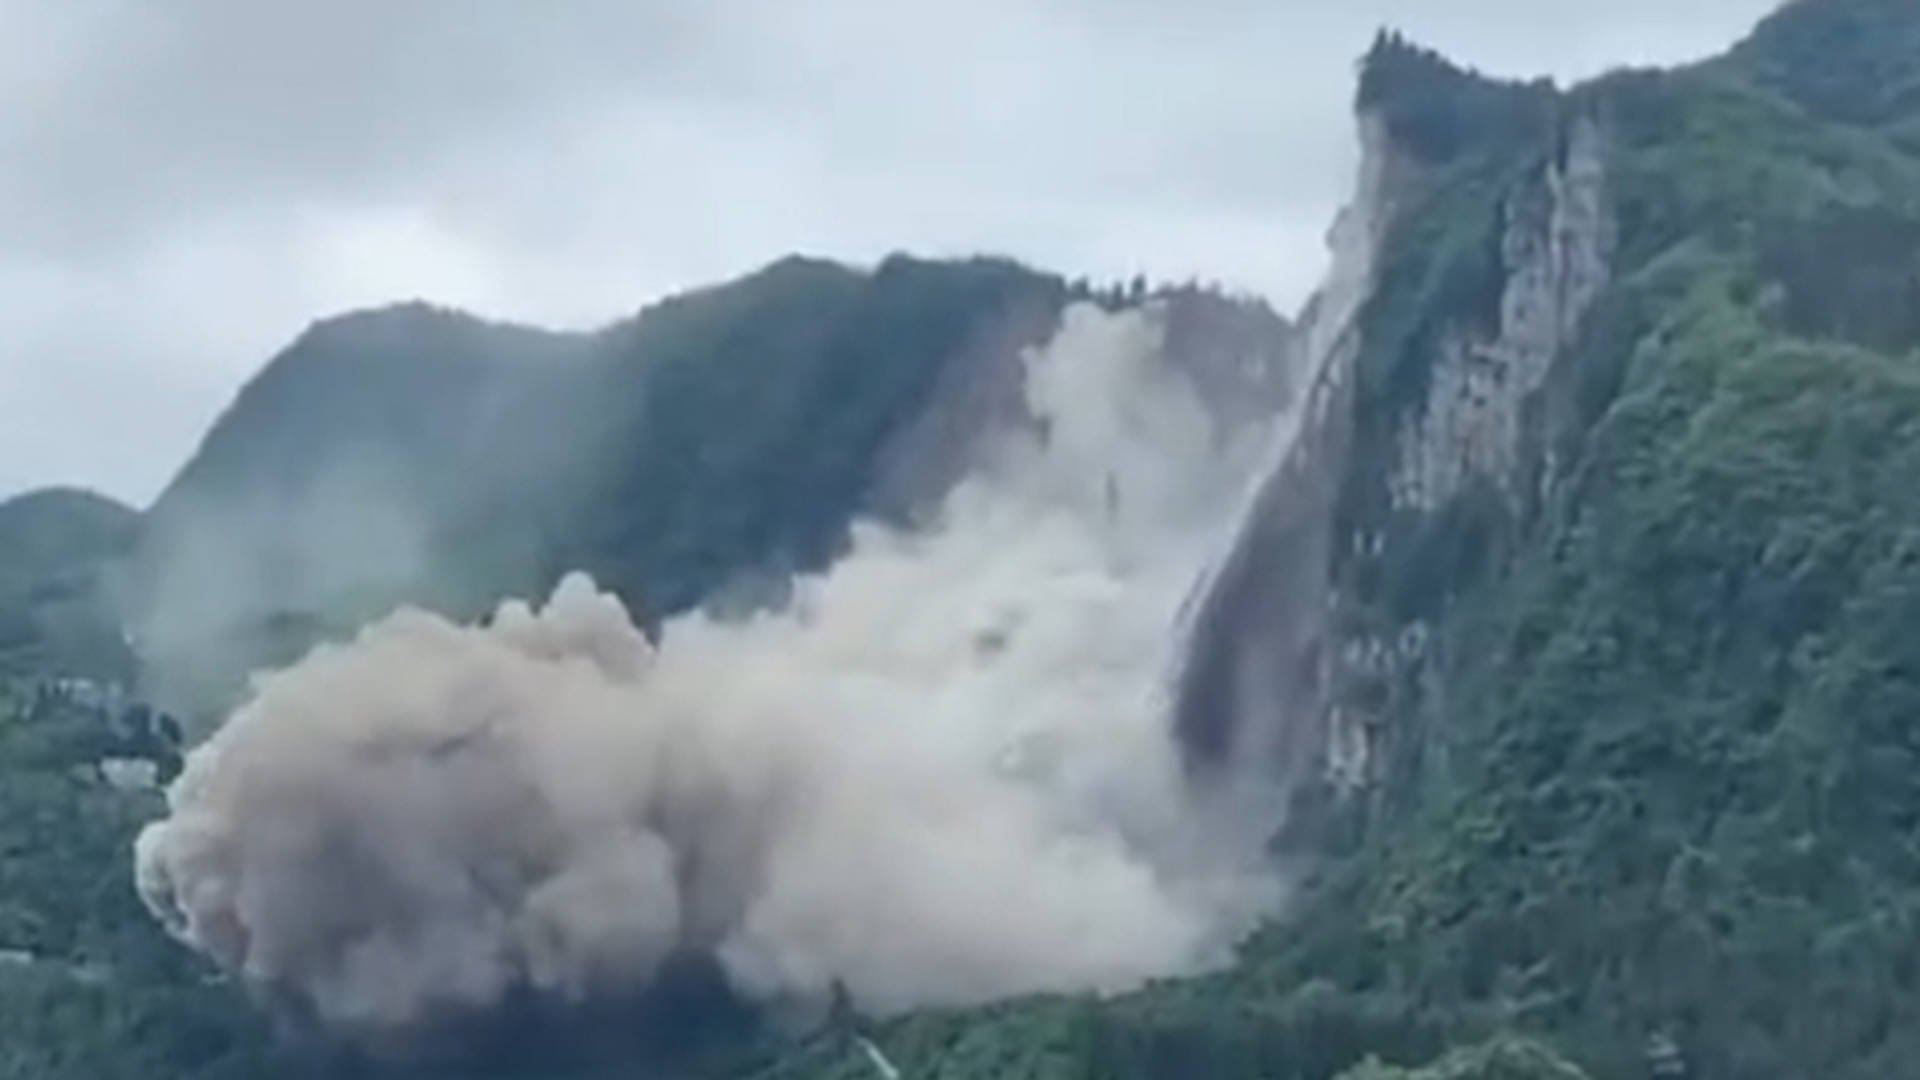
(1674, 797)
(1856, 61)
(1848, 273)
(1650, 744)
(1703, 157)
(757, 431)
(1046, 1039)
(1666, 814)
(1224, 1028)
(412, 455)
(1232, 1029)
(1436, 110)
(1498, 1059)
(709, 401)
(89, 987)
(1442, 270)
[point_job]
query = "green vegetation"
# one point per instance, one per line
(720, 431)
(1665, 814)
(760, 411)
(1437, 111)
(417, 455)
(90, 989)
(56, 609)
(1499, 1059)
(1676, 793)
(1663, 817)
(1855, 61)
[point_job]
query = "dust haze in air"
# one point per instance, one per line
(940, 775)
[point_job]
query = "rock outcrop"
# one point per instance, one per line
(1308, 653)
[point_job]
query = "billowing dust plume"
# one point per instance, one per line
(941, 775)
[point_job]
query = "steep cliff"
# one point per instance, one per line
(1570, 621)
(1480, 235)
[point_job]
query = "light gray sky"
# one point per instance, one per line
(185, 184)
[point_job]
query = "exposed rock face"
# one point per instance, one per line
(1240, 354)
(1256, 657)
(1478, 430)
(1557, 241)
(326, 492)
(1296, 667)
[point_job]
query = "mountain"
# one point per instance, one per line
(701, 451)
(1579, 617)
(413, 454)
(1575, 623)
(57, 615)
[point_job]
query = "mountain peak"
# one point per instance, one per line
(404, 325)
(55, 546)
(75, 501)
(1855, 61)
(1437, 109)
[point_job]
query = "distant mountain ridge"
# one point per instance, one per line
(58, 547)
(703, 449)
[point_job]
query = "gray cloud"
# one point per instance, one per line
(184, 185)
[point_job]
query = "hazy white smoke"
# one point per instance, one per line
(942, 775)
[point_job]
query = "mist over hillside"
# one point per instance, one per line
(701, 451)
(59, 614)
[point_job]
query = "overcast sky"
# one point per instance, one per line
(185, 184)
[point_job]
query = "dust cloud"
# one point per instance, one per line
(942, 774)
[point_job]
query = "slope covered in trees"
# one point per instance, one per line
(412, 454)
(1650, 793)
(57, 615)
(698, 453)
(89, 986)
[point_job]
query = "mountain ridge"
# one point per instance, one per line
(58, 547)
(412, 454)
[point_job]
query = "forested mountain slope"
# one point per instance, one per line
(702, 450)
(58, 548)
(700, 453)
(1612, 686)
